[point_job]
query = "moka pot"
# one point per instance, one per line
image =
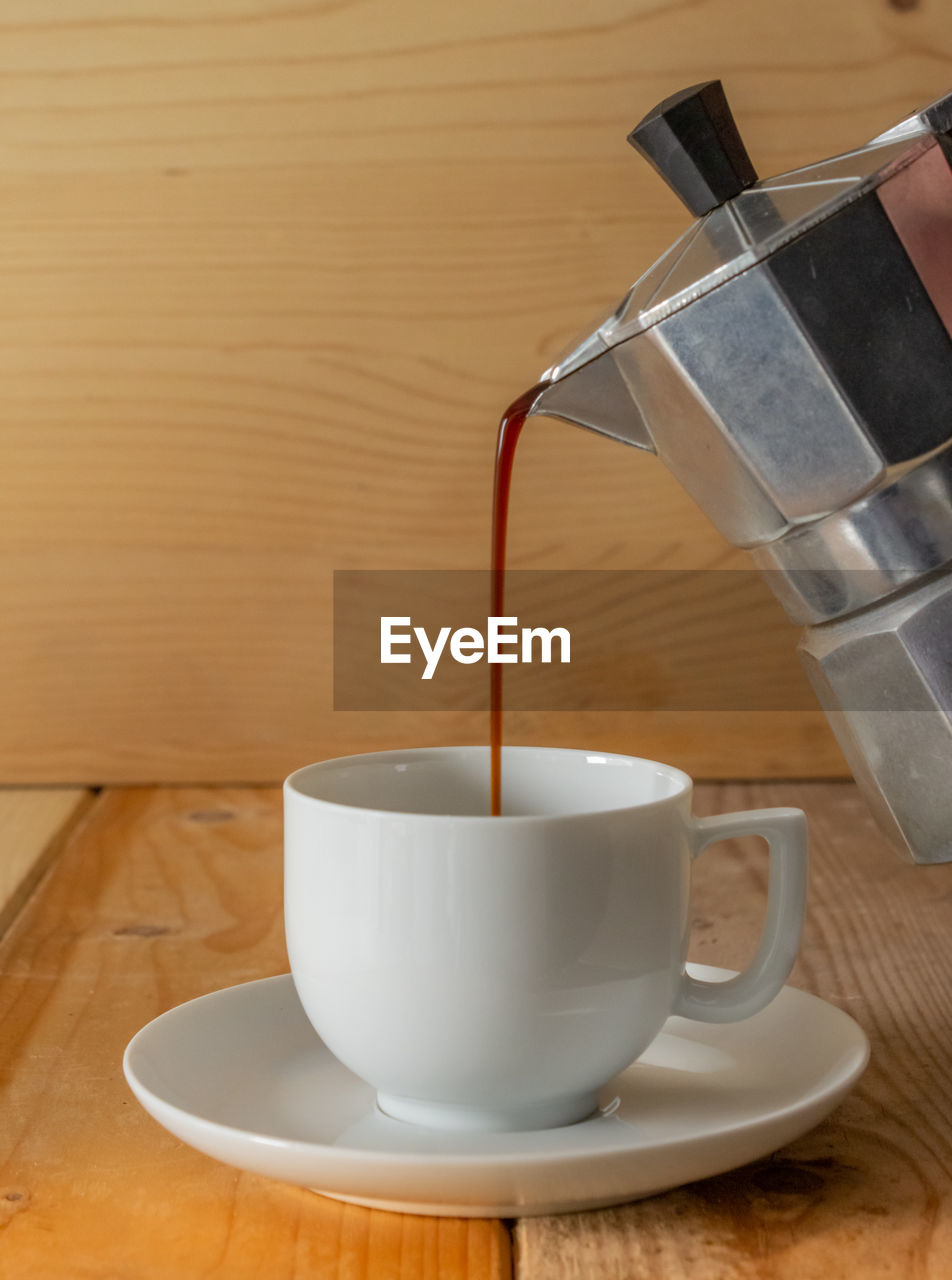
(790, 359)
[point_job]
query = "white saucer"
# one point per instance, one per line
(242, 1076)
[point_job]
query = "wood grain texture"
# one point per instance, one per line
(161, 896)
(868, 1193)
(271, 271)
(33, 826)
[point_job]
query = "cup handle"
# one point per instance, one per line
(785, 831)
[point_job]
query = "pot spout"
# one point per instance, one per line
(596, 396)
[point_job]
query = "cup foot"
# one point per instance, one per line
(552, 1113)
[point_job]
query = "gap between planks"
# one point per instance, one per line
(34, 826)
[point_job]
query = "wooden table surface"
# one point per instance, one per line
(121, 904)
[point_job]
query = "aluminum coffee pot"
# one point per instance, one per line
(790, 359)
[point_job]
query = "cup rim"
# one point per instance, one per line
(291, 786)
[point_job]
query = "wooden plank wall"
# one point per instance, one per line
(269, 272)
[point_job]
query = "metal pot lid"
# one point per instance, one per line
(692, 141)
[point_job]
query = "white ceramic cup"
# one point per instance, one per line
(492, 973)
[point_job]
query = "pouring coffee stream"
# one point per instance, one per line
(790, 360)
(510, 429)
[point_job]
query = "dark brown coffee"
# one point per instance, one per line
(510, 428)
